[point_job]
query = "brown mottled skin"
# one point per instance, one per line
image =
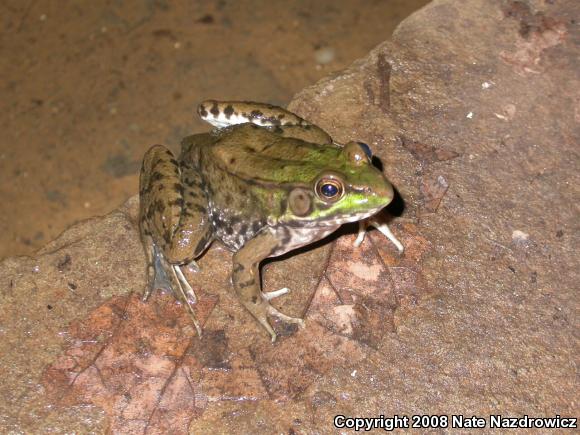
(261, 191)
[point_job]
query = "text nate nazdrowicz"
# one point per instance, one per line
(453, 421)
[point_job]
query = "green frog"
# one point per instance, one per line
(263, 182)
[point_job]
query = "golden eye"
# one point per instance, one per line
(329, 189)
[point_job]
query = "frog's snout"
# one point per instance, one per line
(384, 190)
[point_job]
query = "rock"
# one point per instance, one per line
(465, 322)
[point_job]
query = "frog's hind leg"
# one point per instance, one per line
(307, 133)
(174, 225)
(246, 280)
(224, 113)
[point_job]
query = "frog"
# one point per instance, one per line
(263, 182)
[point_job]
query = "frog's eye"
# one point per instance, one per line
(329, 189)
(358, 153)
(366, 149)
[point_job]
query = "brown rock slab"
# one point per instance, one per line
(478, 316)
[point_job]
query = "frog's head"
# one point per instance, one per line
(349, 188)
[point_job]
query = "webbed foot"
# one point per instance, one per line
(268, 296)
(264, 309)
(171, 277)
(288, 319)
(157, 276)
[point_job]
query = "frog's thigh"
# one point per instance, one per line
(174, 205)
(246, 280)
(308, 133)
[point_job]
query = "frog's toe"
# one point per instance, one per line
(262, 317)
(262, 310)
(275, 313)
(185, 287)
(193, 266)
(185, 293)
(362, 231)
(276, 293)
(386, 231)
(382, 227)
(194, 319)
(268, 296)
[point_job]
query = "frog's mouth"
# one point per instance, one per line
(355, 217)
(338, 220)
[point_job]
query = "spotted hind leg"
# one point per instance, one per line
(173, 223)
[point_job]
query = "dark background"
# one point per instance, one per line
(87, 87)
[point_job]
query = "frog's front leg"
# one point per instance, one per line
(173, 222)
(246, 281)
(381, 226)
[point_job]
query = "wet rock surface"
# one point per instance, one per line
(472, 109)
